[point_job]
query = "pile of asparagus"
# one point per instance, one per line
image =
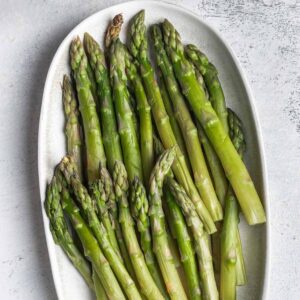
(146, 202)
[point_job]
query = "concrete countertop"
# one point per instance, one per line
(265, 37)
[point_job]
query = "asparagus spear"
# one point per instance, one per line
(129, 141)
(113, 211)
(99, 198)
(210, 75)
(93, 140)
(215, 166)
(201, 246)
(69, 170)
(139, 48)
(74, 148)
(91, 249)
(160, 241)
(217, 172)
(145, 280)
(111, 138)
(170, 225)
(175, 127)
(230, 243)
(61, 234)
(218, 102)
(145, 122)
(201, 175)
(139, 208)
(232, 163)
(99, 290)
(185, 246)
(72, 129)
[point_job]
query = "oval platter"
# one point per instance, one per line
(51, 144)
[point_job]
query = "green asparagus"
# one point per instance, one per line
(218, 102)
(145, 122)
(175, 127)
(74, 148)
(113, 211)
(99, 198)
(129, 141)
(72, 129)
(93, 139)
(201, 246)
(139, 48)
(111, 138)
(68, 168)
(210, 75)
(233, 165)
(160, 241)
(61, 234)
(201, 175)
(99, 290)
(139, 208)
(145, 280)
(185, 246)
(230, 242)
(91, 249)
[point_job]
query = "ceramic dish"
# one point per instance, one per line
(68, 282)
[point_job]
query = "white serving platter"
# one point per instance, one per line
(51, 144)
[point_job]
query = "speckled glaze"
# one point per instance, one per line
(68, 283)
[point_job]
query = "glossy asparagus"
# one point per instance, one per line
(145, 280)
(92, 133)
(233, 165)
(160, 240)
(111, 138)
(201, 174)
(208, 281)
(88, 207)
(139, 49)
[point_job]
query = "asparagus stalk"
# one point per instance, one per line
(215, 166)
(210, 75)
(139, 208)
(139, 48)
(91, 249)
(93, 139)
(217, 98)
(129, 141)
(72, 128)
(99, 290)
(113, 211)
(61, 234)
(145, 280)
(185, 246)
(111, 138)
(99, 198)
(170, 227)
(230, 242)
(231, 161)
(160, 240)
(175, 127)
(81, 193)
(201, 174)
(145, 122)
(201, 246)
(74, 148)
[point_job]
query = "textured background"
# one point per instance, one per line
(265, 37)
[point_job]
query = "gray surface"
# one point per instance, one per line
(264, 36)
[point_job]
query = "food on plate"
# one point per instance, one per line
(146, 201)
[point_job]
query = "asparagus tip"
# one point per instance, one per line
(113, 29)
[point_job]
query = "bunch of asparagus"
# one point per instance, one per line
(142, 229)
